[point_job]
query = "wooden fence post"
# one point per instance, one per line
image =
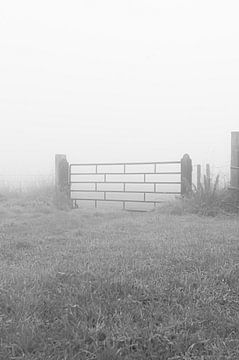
(208, 176)
(186, 175)
(235, 160)
(199, 176)
(61, 177)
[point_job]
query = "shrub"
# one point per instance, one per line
(210, 200)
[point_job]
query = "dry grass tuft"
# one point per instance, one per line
(206, 200)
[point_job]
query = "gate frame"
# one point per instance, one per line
(64, 173)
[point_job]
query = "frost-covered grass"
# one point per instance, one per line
(116, 285)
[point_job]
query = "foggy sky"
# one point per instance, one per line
(103, 80)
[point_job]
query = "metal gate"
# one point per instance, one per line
(132, 183)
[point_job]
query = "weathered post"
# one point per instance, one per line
(186, 175)
(198, 176)
(61, 178)
(208, 176)
(208, 171)
(235, 160)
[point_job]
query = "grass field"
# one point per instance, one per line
(117, 285)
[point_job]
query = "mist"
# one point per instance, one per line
(104, 81)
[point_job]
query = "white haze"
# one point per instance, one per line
(103, 80)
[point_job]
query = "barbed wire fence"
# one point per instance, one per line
(24, 182)
(223, 171)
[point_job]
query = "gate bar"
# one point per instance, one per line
(128, 163)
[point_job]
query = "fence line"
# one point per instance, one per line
(130, 182)
(24, 181)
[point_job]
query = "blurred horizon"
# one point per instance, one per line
(144, 80)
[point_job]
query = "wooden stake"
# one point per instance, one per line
(235, 159)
